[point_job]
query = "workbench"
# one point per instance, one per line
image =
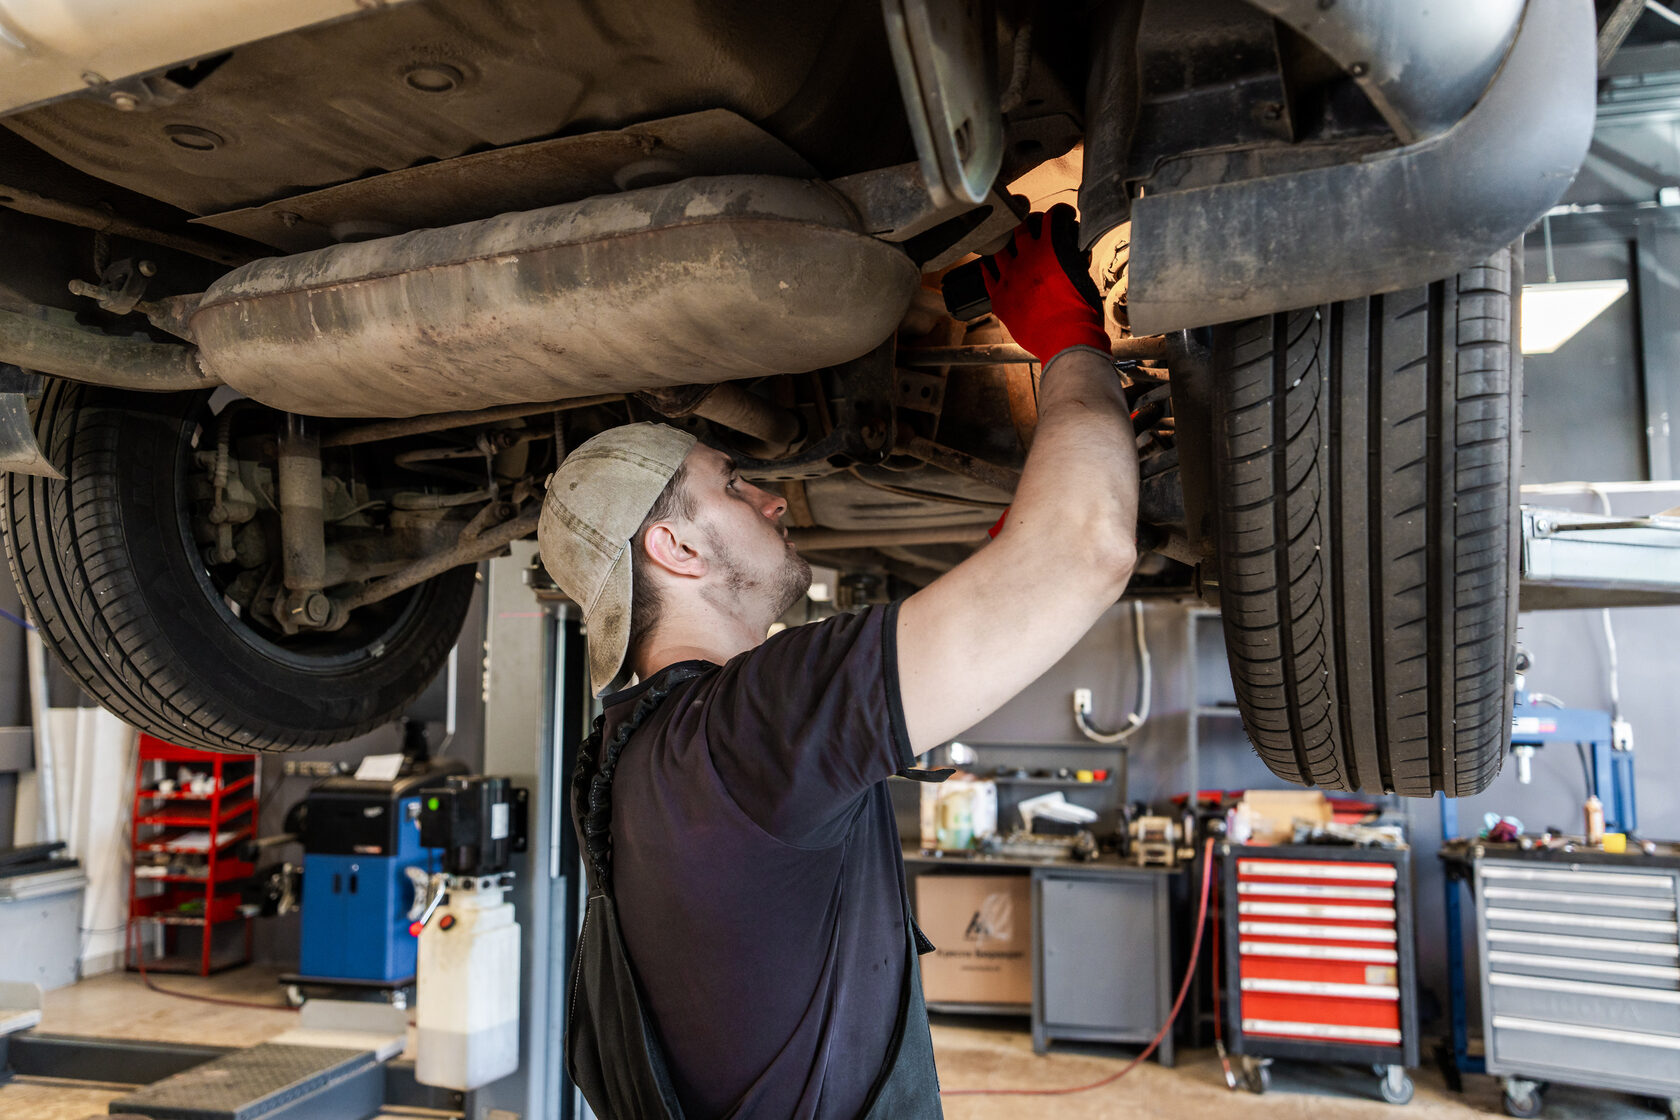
(1102, 954)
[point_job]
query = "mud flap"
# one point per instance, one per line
(18, 450)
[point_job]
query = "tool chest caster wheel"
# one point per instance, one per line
(1523, 1098)
(1394, 1085)
(1257, 1076)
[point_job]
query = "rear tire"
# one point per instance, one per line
(1365, 462)
(106, 565)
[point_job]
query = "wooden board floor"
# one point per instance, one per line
(969, 1056)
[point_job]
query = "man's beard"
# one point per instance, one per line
(782, 588)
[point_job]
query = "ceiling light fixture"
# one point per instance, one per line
(1554, 313)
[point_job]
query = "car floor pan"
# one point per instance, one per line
(700, 281)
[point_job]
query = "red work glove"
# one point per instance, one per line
(1041, 287)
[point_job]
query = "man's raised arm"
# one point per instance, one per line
(982, 632)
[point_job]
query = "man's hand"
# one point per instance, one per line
(1041, 287)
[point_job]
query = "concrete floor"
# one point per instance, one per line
(970, 1056)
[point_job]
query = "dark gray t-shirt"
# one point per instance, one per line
(758, 874)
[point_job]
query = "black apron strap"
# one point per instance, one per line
(917, 774)
(612, 1053)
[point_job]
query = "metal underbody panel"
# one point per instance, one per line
(432, 80)
(523, 177)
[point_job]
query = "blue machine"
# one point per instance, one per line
(363, 868)
(1534, 725)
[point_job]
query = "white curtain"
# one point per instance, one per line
(93, 757)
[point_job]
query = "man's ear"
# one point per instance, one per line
(669, 549)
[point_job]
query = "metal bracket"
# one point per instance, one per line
(1576, 560)
(864, 393)
(943, 53)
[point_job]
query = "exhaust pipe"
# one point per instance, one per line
(81, 354)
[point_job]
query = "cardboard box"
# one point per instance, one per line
(982, 928)
(1268, 816)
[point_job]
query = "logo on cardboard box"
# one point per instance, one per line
(993, 921)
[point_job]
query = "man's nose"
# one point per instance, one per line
(771, 505)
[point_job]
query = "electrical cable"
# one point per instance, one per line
(1172, 1016)
(1146, 681)
(1587, 776)
(1613, 660)
(146, 979)
(1662, 10)
(1602, 491)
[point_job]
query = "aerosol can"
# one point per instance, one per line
(467, 981)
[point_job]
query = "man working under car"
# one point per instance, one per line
(753, 856)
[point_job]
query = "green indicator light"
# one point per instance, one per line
(432, 804)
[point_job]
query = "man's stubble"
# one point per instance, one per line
(784, 587)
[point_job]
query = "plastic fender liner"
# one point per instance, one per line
(1396, 219)
(700, 281)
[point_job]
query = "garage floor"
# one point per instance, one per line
(970, 1056)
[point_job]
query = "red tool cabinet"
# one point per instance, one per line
(1319, 958)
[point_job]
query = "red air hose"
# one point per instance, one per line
(1178, 1004)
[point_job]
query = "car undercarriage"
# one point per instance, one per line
(300, 326)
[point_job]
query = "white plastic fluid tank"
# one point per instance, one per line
(468, 992)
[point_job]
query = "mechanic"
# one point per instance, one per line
(755, 862)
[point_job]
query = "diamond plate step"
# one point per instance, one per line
(267, 1081)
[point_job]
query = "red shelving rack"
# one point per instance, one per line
(197, 887)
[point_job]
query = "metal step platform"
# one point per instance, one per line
(268, 1081)
(331, 1067)
(20, 1007)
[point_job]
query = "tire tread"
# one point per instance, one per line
(1365, 478)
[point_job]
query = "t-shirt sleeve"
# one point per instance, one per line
(801, 726)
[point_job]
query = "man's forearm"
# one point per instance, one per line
(1081, 476)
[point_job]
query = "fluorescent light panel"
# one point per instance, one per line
(1552, 314)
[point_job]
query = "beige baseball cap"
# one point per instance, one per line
(596, 501)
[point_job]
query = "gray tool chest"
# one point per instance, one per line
(1580, 971)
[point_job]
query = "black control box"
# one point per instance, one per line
(479, 822)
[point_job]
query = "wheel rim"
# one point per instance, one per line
(362, 640)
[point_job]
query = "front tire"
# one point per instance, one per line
(106, 564)
(1365, 462)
